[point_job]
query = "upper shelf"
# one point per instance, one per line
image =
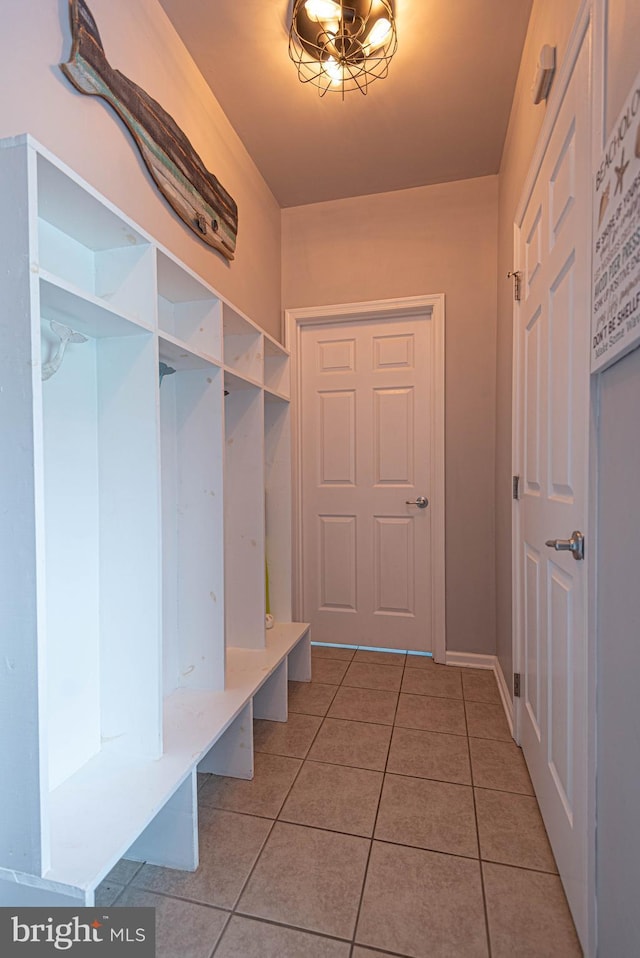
(187, 308)
(276, 368)
(243, 345)
(63, 303)
(70, 207)
(89, 247)
(180, 356)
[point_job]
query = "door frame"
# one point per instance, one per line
(590, 16)
(295, 320)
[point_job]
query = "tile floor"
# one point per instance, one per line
(391, 815)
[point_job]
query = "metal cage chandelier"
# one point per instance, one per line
(342, 46)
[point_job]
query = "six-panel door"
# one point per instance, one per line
(366, 422)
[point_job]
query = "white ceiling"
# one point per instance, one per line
(440, 115)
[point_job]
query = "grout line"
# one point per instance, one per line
(378, 951)
(184, 898)
(136, 872)
(475, 814)
(283, 924)
(522, 868)
(335, 718)
(375, 820)
(251, 871)
(221, 935)
(361, 721)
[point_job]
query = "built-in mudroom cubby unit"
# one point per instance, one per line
(145, 504)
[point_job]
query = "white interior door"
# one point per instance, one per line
(552, 390)
(366, 425)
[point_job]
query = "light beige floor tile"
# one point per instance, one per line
(380, 658)
(419, 661)
(308, 878)
(433, 714)
(487, 721)
(263, 795)
(481, 686)
(499, 765)
(367, 675)
(229, 847)
(528, 914)
(442, 682)
(364, 705)
(251, 938)
(421, 903)
(123, 872)
(182, 928)
(107, 892)
(312, 698)
(336, 797)
(328, 671)
(511, 830)
(292, 738)
(332, 652)
(359, 744)
(435, 815)
(429, 755)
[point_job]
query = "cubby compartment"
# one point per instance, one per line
(276, 368)
(101, 541)
(243, 346)
(277, 446)
(88, 248)
(244, 514)
(187, 309)
(191, 417)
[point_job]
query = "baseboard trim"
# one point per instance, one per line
(471, 660)
(505, 694)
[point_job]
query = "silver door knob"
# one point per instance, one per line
(421, 502)
(574, 545)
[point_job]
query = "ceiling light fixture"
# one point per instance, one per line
(342, 46)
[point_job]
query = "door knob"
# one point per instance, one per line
(574, 545)
(421, 502)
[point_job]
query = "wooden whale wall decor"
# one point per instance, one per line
(181, 176)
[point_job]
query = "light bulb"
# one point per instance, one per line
(379, 33)
(333, 70)
(320, 10)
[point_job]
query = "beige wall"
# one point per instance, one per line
(623, 54)
(436, 239)
(551, 22)
(84, 131)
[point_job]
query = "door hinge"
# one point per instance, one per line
(515, 487)
(515, 273)
(516, 685)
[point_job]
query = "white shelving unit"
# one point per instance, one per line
(139, 511)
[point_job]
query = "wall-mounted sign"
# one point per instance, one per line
(180, 175)
(615, 325)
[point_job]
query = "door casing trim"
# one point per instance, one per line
(294, 322)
